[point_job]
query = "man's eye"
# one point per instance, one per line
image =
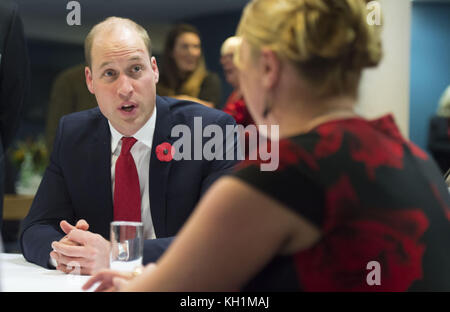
(109, 73)
(137, 68)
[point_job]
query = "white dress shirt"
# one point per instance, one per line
(141, 152)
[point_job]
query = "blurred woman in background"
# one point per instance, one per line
(184, 74)
(235, 105)
(353, 206)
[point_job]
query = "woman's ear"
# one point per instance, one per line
(270, 68)
(89, 82)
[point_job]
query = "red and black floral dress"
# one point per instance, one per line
(375, 197)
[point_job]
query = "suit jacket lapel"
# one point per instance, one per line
(101, 165)
(159, 170)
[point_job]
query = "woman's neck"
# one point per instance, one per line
(302, 118)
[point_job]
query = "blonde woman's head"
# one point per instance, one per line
(328, 41)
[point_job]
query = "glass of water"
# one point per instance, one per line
(127, 244)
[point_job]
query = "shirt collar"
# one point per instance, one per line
(143, 135)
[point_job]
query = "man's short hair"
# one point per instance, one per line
(110, 23)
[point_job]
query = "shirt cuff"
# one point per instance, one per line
(52, 263)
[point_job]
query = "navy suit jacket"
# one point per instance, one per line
(77, 183)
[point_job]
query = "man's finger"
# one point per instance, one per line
(54, 255)
(67, 241)
(80, 236)
(82, 225)
(70, 251)
(73, 269)
(66, 226)
(64, 268)
(73, 261)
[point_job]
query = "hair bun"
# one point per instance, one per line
(331, 30)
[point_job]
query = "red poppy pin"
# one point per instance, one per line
(165, 152)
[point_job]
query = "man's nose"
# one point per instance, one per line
(125, 86)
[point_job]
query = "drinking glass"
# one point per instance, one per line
(127, 245)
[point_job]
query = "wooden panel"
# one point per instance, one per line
(16, 207)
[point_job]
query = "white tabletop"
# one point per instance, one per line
(16, 274)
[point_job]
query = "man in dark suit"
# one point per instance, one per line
(81, 184)
(14, 79)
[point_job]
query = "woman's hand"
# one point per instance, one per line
(109, 280)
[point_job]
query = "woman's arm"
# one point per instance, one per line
(232, 234)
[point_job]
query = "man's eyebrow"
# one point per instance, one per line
(104, 64)
(135, 58)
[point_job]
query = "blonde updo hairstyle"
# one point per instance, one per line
(328, 41)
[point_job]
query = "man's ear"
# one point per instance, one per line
(155, 68)
(89, 81)
(271, 68)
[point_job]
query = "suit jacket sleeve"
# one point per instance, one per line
(154, 248)
(14, 73)
(51, 204)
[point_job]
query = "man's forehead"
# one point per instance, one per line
(116, 38)
(112, 43)
(104, 53)
(119, 42)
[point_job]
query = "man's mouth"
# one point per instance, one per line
(128, 107)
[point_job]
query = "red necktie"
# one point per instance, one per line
(127, 194)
